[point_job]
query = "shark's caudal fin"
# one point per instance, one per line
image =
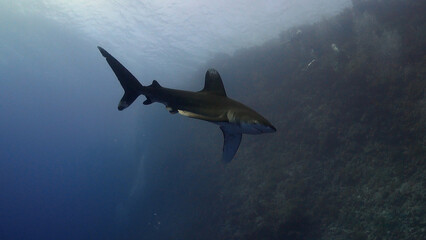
(132, 87)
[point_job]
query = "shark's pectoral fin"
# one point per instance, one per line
(231, 143)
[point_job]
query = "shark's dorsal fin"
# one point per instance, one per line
(231, 143)
(213, 83)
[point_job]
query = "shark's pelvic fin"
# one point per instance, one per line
(132, 87)
(147, 101)
(231, 143)
(213, 83)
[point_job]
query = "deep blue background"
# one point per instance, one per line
(71, 165)
(65, 153)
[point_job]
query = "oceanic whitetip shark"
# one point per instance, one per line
(210, 104)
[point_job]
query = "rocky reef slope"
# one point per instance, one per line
(348, 160)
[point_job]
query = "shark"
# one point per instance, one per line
(210, 104)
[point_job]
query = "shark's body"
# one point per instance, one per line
(210, 104)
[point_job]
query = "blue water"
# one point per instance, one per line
(62, 170)
(73, 167)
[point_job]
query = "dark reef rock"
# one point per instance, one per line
(348, 160)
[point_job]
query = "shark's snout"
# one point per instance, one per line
(266, 128)
(257, 128)
(272, 128)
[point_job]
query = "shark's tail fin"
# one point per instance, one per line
(132, 87)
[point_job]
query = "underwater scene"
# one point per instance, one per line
(240, 120)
